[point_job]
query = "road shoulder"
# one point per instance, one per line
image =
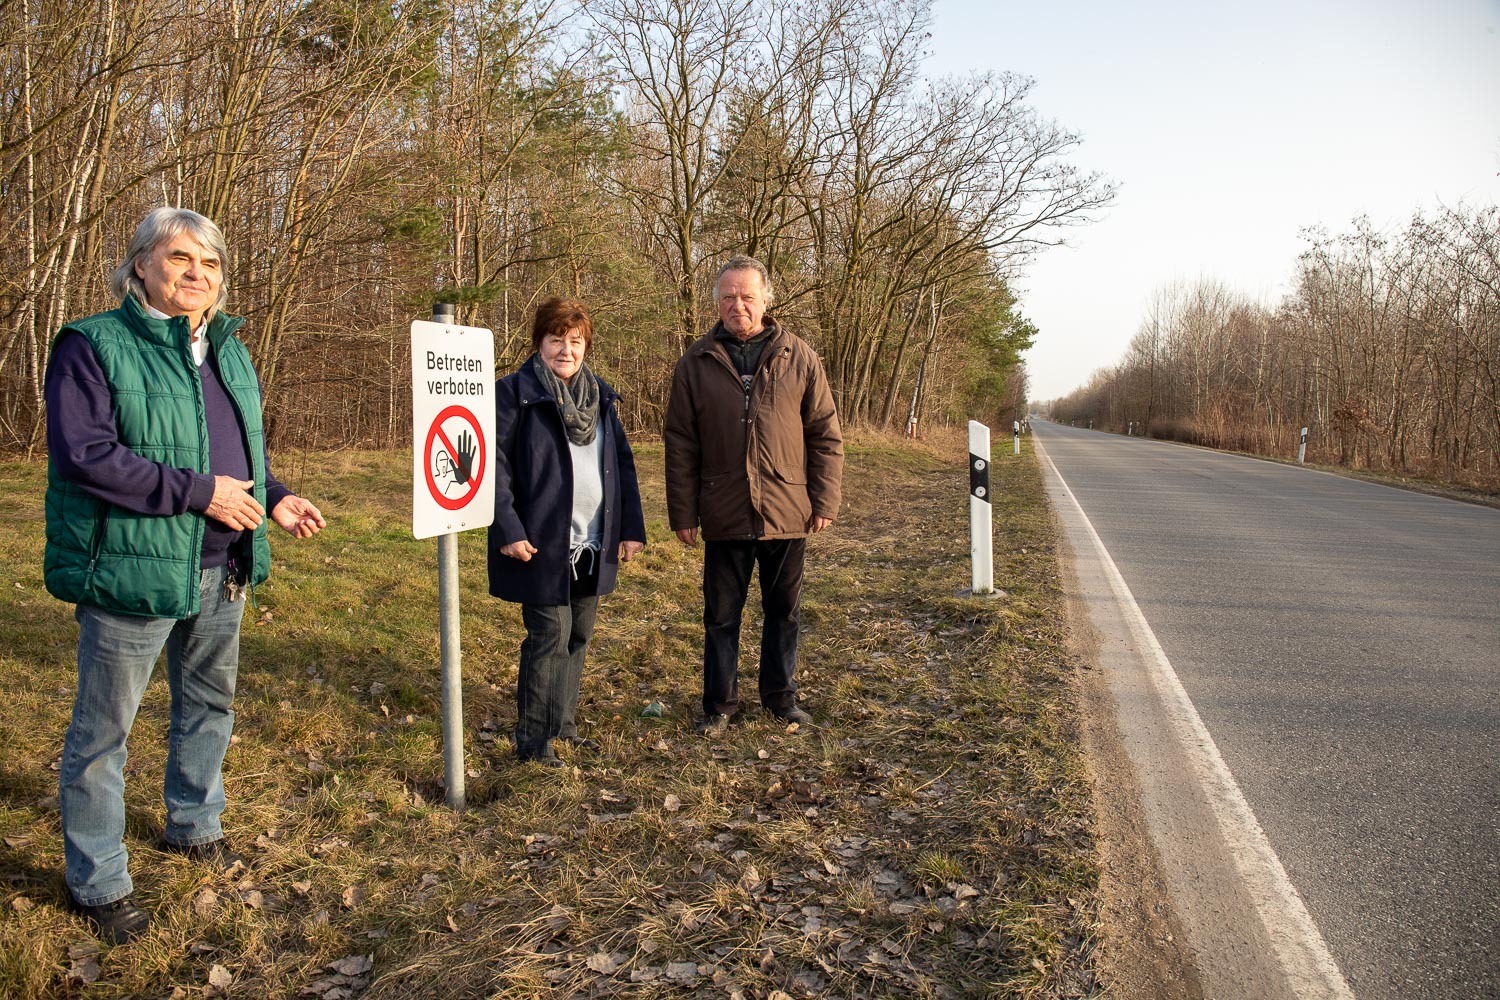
(1143, 952)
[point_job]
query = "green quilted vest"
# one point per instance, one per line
(138, 564)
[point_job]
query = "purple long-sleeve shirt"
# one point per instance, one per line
(84, 444)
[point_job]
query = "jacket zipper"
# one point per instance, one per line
(101, 524)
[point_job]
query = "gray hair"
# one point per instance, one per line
(160, 225)
(740, 262)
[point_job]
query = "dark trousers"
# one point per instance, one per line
(726, 584)
(551, 670)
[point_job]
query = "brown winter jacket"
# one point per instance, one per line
(756, 466)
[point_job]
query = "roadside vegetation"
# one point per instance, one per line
(1387, 350)
(932, 839)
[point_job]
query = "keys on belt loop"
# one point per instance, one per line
(235, 585)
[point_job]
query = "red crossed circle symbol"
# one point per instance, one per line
(476, 474)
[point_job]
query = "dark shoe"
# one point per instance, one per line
(546, 757)
(216, 854)
(712, 725)
(116, 922)
(582, 743)
(793, 714)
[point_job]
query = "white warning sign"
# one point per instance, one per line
(453, 428)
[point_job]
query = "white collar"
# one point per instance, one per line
(200, 341)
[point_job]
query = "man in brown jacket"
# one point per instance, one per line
(756, 458)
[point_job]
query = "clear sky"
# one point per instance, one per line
(1230, 128)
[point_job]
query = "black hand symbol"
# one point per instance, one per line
(465, 464)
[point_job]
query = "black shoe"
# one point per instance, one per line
(792, 714)
(546, 758)
(712, 725)
(581, 743)
(116, 922)
(216, 854)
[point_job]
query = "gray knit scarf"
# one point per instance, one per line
(578, 402)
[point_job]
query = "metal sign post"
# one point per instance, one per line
(981, 545)
(452, 670)
(453, 433)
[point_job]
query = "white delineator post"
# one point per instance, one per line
(981, 546)
(1302, 447)
(1016, 427)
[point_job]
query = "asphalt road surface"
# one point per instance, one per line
(1340, 642)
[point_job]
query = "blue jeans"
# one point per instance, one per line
(116, 655)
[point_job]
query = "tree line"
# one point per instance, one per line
(1387, 349)
(366, 158)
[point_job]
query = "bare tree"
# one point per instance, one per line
(682, 60)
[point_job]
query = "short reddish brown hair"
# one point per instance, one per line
(557, 317)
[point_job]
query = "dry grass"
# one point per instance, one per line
(932, 840)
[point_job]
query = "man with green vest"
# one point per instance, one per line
(157, 492)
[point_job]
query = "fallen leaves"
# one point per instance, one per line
(558, 918)
(220, 980)
(351, 974)
(606, 964)
(800, 792)
(330, 846)
(84, 967)
(353, 965)
(682, 972)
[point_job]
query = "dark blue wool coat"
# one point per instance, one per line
(534, 492)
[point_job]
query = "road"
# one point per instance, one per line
(1340, 643)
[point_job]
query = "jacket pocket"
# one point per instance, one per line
(724, 505)
(787, 508)
(710, 487)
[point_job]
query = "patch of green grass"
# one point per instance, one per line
(933, 839)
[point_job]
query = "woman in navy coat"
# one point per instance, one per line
(567, 513)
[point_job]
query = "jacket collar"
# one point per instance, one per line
(175, 330)
(709, 342)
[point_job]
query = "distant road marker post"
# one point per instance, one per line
(1302, 447)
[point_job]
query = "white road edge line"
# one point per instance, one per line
(1303, 955)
